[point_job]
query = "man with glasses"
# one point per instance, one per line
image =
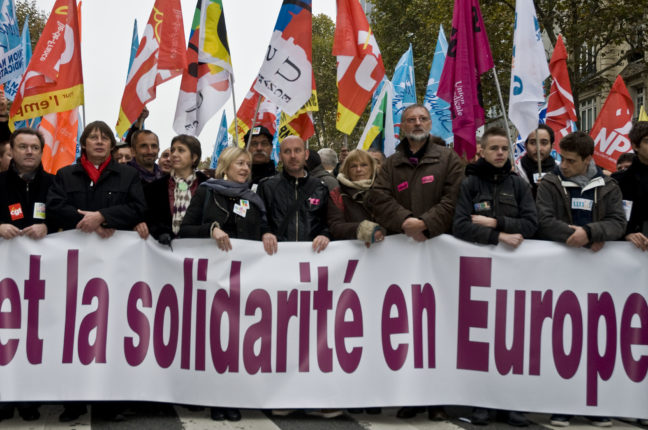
(416, 190)
(260, 146)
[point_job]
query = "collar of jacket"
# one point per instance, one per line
(291, 179)
(432, 153)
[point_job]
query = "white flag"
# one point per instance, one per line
(528, 70)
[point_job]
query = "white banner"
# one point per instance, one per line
(543, 328)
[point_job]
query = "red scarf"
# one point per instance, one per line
(91, 170)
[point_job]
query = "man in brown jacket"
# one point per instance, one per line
(417, 187)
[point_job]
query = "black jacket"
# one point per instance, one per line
(16, 191)
(634, 187)
(309, 219)
(495, 193)
(117, 195)
(208, 206)
(158, 214)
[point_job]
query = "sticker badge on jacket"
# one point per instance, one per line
(427, 179)
(582, 204)
(16, 212)
(314, 201)
(39, 210)
(482, 206)
(402, 186)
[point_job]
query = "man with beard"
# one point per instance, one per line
(416, 190)
(260, 146)
(542, 138)
(146, 147)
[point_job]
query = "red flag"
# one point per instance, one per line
(561, 112)
(60, 132)
(161, 56)
(469, 57)
(360, 67)
(610, 131)
(53, 81)
(266, 117)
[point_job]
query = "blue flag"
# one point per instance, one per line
(11, 87)
(221, 142)
(439, 108)
(134, 46)
(404, 87)
(12, 59)
(275, 142)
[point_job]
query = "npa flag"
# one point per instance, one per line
(561, 112)
(469, 57)
(439, 108)
(205, 83)
(404, 87)
(286, 74)
(12, 58)
(610, 131)
(160, 57)
(221, 142)
(379, 131)
(359, 64)
(53, 81)
(266, 116)
(60, 131)
(528, 69)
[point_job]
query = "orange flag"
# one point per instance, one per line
(161, 56)
(53, 81)
(60, 131)
(612, 126)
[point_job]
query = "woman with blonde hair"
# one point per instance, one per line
(348, 218)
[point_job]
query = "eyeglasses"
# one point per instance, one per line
(415, 119)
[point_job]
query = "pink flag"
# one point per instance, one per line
(469, 56)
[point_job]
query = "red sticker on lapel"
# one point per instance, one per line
(16, 212)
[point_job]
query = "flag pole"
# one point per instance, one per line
(508, 131)
(538, 152)
(231, 79)
(254, 120)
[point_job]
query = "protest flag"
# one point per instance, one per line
(301, 124)
(561, 112)
(529, 69)
(286, 74)
(134, 47)
(612, 126)
(161, 56)
(439, 109)
(379, 131)
(643, 116)
(221, 142)
(469, 56)
(404, 87)
(206, 83)
(266, 115)
(60, 130)
(11, 86)
(359, 64)
(53, 81)
(12, 57)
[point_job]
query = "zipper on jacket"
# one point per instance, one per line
(296, 212)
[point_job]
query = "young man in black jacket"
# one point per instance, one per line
(494, 205)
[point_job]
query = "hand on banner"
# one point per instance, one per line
(9, 231)
(639, 240)
(222, 239)
(35, 231)
(105, 233)
(142, 230)
(91, 221)
(578, 238)
(270, 243)
(597, 246)
(513, 240)
(320, 243)
(484, 221)
(414, 228)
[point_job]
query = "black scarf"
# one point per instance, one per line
(235, 189)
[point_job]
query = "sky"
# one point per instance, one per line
(107, 28)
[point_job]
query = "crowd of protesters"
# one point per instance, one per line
(423, 190)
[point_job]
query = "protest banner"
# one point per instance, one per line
(400, 323)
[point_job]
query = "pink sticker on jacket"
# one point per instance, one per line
(427, 179)
(403, 186)
(314, 202)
